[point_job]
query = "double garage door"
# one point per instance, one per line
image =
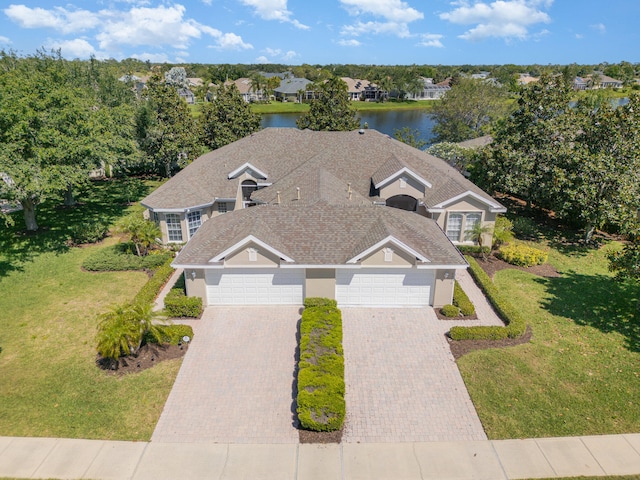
(364, 287)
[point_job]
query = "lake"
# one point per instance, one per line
(387, 121)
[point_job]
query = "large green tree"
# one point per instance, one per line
(468, 110)
(50, 125)
(226, 118)
(166, 129)
(330, 108)
(580, 162)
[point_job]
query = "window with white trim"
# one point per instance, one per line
(471, 220)
(174, 228)
(194, 220)
(222, 207)
(454, 226)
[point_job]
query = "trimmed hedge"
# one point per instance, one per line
(450, 311)
(321, 388)
(515, 323)
(473, 249)
(150, 290)
(319, 302)
(522, 255)
(461, 300)
(177, 304)
(119, 258)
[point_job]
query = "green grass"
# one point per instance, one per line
(580, 373)
(49, 384)
(293, 107)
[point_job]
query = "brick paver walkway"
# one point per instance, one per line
(236, 381)
(402, 382)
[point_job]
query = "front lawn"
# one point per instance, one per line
(49, 383)
(580, 374)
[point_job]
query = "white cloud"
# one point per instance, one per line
(78, 48)
(231, 41)
(394, 15)
(276, 52)
(273, 10)
(349, 43)
(600, 28)
(392, 10)
(262, 60)
(430, 40)
(4, 40)
(152, 57)
(501, 18)
(58, 18)
(579, 36)
(290, 55)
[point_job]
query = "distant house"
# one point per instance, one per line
(361, 89)
(595, 81)
(293, 90)
(430, 90)
(608, 82)
(526, 79)
(188, 95)
(245, 87)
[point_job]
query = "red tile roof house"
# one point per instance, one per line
(285, 214)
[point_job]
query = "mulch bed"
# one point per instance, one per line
(492, 264)
(462, 347)
(307, 436)
(148, 356)
(460, 317)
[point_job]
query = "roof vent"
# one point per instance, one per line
(361, 131)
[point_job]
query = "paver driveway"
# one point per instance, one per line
(236, 381)
(402, 382)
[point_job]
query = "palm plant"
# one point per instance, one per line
(143, 233)
(476, 234)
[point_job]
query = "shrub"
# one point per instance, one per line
(177, 304)
(525, 228)
(503, 231)
(173, 334)
(88, 233)
(461, 300)
(450, 311)
(149, 291)
(522, 255)
(319, 302)
(474, 249)
(117, 258)
(515, 324)
(321, 388)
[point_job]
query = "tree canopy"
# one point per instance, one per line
(330, 109)
(226, 118)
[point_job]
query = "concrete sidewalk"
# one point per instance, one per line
(492, 460)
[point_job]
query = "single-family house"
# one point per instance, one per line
(430, 90)
(286, 214)
(361, 89)
(608, 82)
(246, 88)
(293, 90)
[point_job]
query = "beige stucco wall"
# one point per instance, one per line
(398, 259)
(468, 205)
(241, 258)
(196, 287)
(443, 288)
(320, 283)
(412, 188)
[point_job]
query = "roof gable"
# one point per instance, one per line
(246, 242)
(392, 240)
(248, 169)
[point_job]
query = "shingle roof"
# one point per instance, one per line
(322, 164)
(320, 233)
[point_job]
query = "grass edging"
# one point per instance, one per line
(515, 323)
(321, 387)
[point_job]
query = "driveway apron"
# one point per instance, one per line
(237, 379)
(402, 382)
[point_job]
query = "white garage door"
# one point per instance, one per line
(258, 286)
(384, 287)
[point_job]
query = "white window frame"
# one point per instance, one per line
(468, 226)
(223, 207)
(194, 221)
(461, 235)
(450, 233)
(174, 227)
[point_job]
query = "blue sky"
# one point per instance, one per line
(382, 32)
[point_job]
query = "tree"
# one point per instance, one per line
(166, 129)
(410, 137)
(176, 77)
(49, 130)
(330, 108)
(462, 158)
(227, 118)
(468, 110)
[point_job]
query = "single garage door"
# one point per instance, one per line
(257, 286)
(384, 287)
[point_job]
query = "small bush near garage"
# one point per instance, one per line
(515, 324)
(450, 311)
(174, 334)
(319, 302)
(177, 304)
(522, 255)
(321, 388)
(119, 258)
(461, 300)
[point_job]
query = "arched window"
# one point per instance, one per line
(403, 202)
(248, 187)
